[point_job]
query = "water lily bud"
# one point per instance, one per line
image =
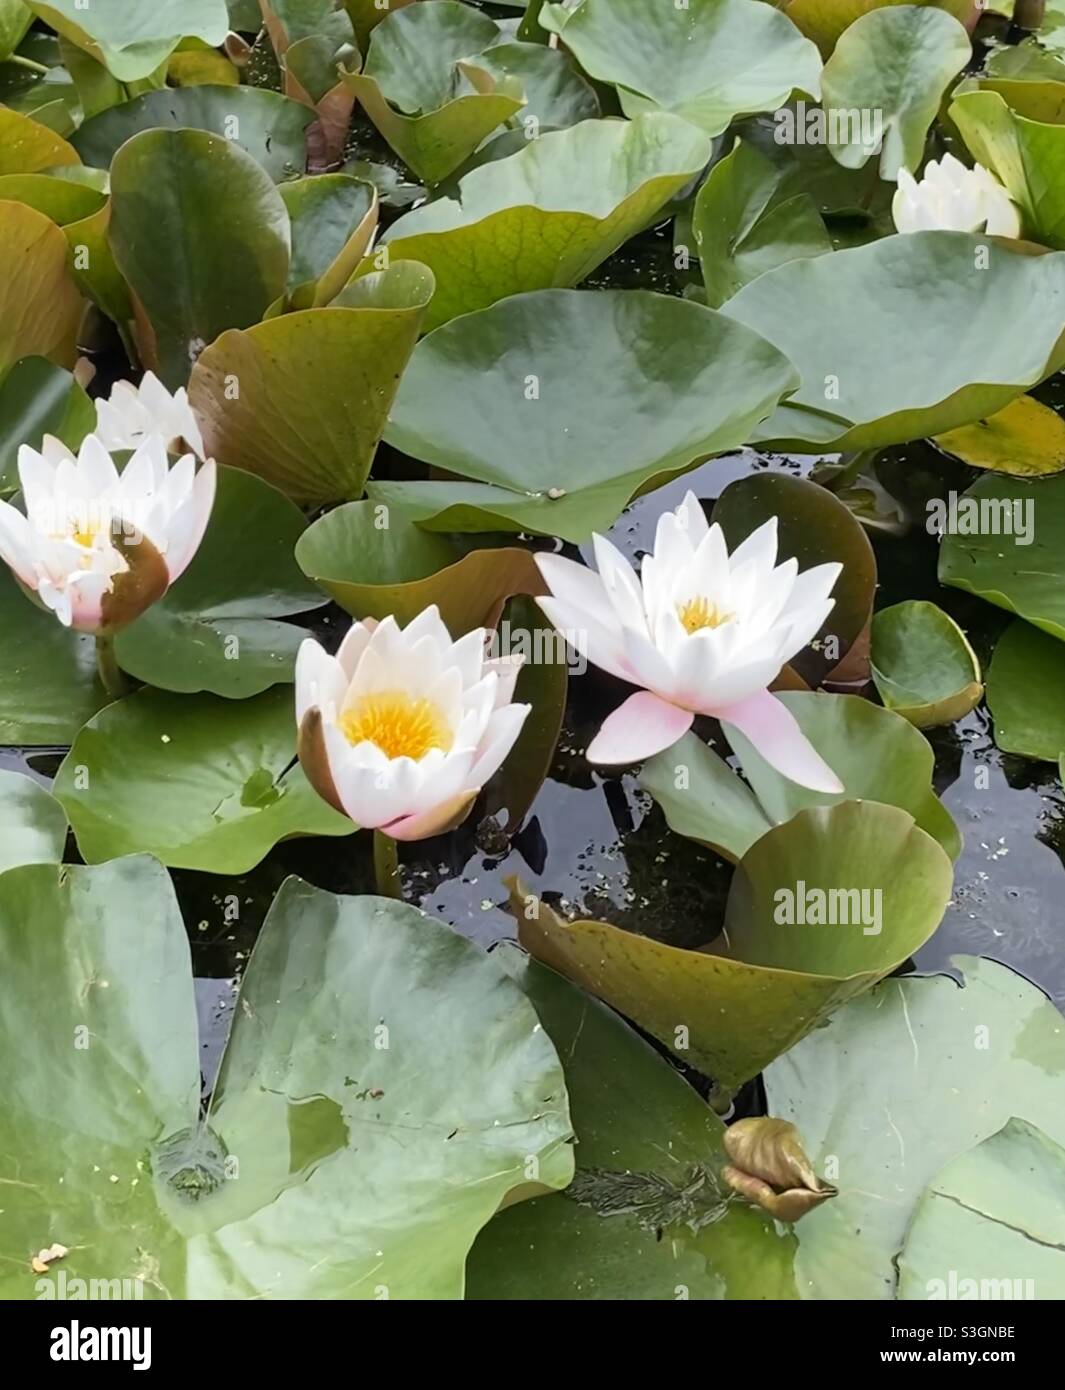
(97, 547)
(770, 1168)
(133, 413)
(701, 632)
(404, 726)
(951, 198)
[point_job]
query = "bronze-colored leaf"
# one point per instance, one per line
(770, 1168)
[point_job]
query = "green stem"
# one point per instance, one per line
(108, 669)
(386, 865)
(28, 63)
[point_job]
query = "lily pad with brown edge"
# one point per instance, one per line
(232, 792)
(132, 41)
(40, 307)
(642, 1219)
(556, 94)
(27, 147)
(302, 399)
(1024, 692)
(923, 665)
(1025, 439)
(39, 398)
(548, 215)
(858, 391)
(768, 1166)
(219, 628)
(202, 237)
(560, 406)
(815, 528)
(825, 20)
(334, 217)
(1005, 541)
(779, 967)
(897, 1084)
(313, 40)
(63, 200)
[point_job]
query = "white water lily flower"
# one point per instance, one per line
(403, 727)
(133, 413)
(97, 546)
(701, 631)
(951, 198)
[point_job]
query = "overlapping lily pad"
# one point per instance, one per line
(1025, 439)
(897, 61)
(1024, 691)
(27, 147)
(708, 60)
(561, 405)
(357, 1022)
(217, 629)
(858, 390)
(202, 236)
(334, 217)
(312, 41)
(61, 199)
(550, 214)
(433, 108)
(39, 398)
(643, 1219)
(269, 126)
(922, 664)
(779, 966)
(825, 20)
(40, 307)
(33, 825)
(231, 790)
(898, 1084)
(133, 40)
(317, 446)
(556, 95)
(1006, 542)
(15, 19)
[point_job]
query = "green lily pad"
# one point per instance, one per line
(923, 666)
(825, 20)
(334, 217)
(27, 147)
(15, 19)
(779, 968)
(60, 199)
(550, 214)
(97, 275)
(40, 307)
(562, 405)
(133, 40)
(315, 386)
(48, 684)
(33, 825)
(747, 221)
(858, 391)
(1024, 685)
(217, 628)
(268, 126)
(815, 528)
(1027, 156)
(357, 1022)
(38, 398)
(898, 62)
(1007, 544)
(876, 754)
(624, 1230)
(556, 95)
(708, 61)
(995, 1213)
(228, 800)
(1025, 439)
(896, 1085)
(192, 192)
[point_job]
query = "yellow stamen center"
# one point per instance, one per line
(699, 612)
(400, 726)
(85, 538)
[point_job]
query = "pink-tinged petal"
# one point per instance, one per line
(436, 821)
(180, 552)
(776, 735)
(86, 593)
(638, 729)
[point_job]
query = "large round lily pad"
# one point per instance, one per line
(896, 1085)
(643, 1219)
(217, 629)
(549, 214)
(33, 825)
(269, 126)
(229, 790)
(202, 236)
(40, 307)
(1005, 541)
(1024, 691)
(562, 405)
(858, 390)
(707, 60)
(922, 664)
(385, 1088)
(133, 40)
(798, 939)
(313, 387)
